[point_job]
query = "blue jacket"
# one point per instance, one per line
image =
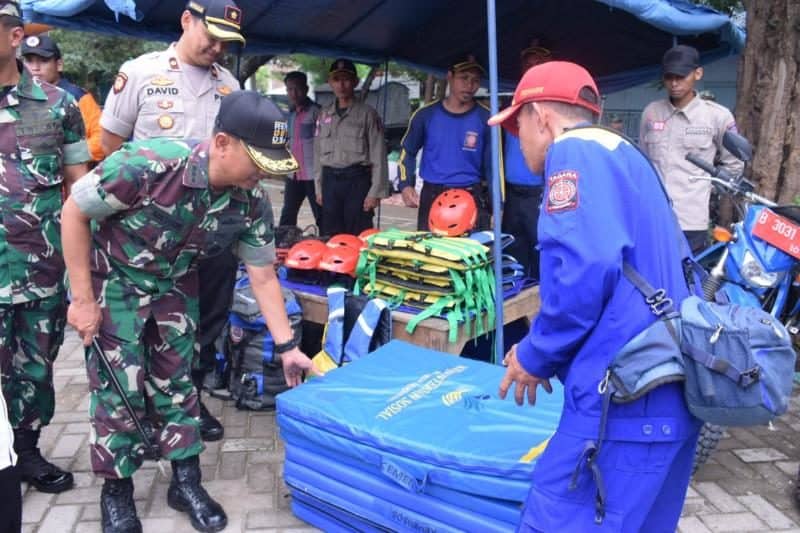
(455, 147)
(515, 170)
(602, 203)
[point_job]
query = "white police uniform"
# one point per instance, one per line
(152, 97)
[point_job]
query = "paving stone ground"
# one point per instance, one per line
(745, 487)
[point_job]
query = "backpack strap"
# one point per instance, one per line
(360, 337)
(334, 333)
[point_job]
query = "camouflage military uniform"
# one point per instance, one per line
(154, 215)
(41, 130)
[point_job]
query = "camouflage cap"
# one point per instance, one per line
(10, 8)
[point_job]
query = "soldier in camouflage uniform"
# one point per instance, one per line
(159, 205)
(176, 93)
(42, 147)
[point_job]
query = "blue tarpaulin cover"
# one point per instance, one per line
(620, 41)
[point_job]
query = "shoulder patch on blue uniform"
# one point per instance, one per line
(562, 191)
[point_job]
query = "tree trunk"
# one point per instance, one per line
(441, 88)
(768, 96)
(430, 81)
(368, 83)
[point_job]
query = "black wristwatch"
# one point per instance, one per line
(286, 346)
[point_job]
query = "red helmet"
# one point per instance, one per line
(345, 239)
(341, 259)
(305, 255)
(453, 213)
(364, 235)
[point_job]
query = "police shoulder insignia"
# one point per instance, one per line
(562, 192)
(161, 81)
(119, 82)
(165, 122)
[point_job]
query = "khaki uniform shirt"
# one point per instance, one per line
(152, 97)
(667, 134)
(356, 138)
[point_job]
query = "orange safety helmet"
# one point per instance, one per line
(341, 259)
(367, 233)
(453, 213)
(305, 255)
(345, 239)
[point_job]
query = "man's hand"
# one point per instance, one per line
(319, 199)
(370, 203)
(85, 317)
(410, 196)
(295, 363)
(516, 374)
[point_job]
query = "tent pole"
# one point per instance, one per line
(499, 351)
(383, 119)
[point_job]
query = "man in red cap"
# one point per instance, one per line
(593, 218)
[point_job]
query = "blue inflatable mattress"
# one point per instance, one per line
(383, 502)
(425, 421)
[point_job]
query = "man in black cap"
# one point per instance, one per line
(351, 173)
(176, 93)
(43, 58)
(685, 123)
(158, 206)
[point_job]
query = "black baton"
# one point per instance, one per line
(128, 407)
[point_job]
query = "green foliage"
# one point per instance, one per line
(316, 68)
(91, 60)
(724, 6)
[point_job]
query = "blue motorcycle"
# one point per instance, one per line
(755, 263)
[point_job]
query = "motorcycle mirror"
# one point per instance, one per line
(738, 146)
(721, 234)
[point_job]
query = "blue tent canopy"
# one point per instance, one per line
(619, 41)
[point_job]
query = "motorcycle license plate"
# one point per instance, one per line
(778, 231)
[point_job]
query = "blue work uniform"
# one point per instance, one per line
(603, 204)
(456, 150)
(523, 194)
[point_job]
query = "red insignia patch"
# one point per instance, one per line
(233, 14)
(119, 82)
(657, 125)
(562, 192)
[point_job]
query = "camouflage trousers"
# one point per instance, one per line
(150, 343)
(31, 334)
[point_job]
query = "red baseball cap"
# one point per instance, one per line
(554, 81)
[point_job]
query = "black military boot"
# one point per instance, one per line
(34, 469)
(185, 494)
(210, 428)
(117, 508)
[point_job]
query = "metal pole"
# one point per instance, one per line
(499, 351)
(383, 119)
